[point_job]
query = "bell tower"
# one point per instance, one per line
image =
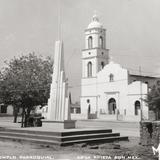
(94, 58)
(95, 54)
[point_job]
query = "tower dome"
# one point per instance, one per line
(95, 23)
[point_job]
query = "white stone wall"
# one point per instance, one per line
(99, 90)
(125, 94)
(135, 89)
(95, 56)
(88, 92)
(95, 33)
(89, 87)
(85, 104)
(89, 53)
(94, 67)
(116, 89)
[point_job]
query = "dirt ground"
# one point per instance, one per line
(113, 151)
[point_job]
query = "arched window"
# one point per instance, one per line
(102, 65)
(89, 69)
(137, 107)
(90, 42)
(111, 77)
(101, 42)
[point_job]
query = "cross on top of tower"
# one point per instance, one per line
(95, 17)
(95, 22)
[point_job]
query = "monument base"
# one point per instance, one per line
(66, 124)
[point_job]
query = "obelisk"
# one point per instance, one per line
(58, 114)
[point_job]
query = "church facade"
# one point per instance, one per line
(109, 91)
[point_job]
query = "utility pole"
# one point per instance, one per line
(141, 106)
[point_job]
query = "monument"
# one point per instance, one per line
(58, 114)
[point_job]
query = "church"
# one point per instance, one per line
(109, 91)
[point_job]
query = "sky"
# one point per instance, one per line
(133, 32)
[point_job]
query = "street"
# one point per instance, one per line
(130, 129)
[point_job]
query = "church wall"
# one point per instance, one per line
(103, 53)
(94, 42)
(148, 80)
(100, 60)
(89, 53)
(95, 33)
(103, 101)
(116, 89)
(88, 96)
(106, 86)
(135, 88)
(130, 111)
(86, 102)
(95, 52)
(134, 94)
(123, 101)
(94, 63)
(88, 87)
(120, 74)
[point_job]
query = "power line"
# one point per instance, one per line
(141, 94)
(72, 86)
(59, 21)
(96, 83)
(127, 55)
(68, 86)
(68, 61)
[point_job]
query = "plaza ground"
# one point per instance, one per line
(130, 129)
(124, 149)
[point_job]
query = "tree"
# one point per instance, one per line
(25, 82)
(153, 99)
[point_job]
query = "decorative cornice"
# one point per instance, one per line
(95, 48)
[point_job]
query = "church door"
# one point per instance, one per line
(112, 106)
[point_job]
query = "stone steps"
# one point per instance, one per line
(24, 139)
(98, 140)
(66, 132)
(61, 138)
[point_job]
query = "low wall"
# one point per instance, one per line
(149, 132)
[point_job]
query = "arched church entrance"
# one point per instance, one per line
(112, 106)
